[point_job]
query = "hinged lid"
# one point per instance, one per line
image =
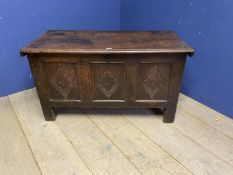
(92, 42)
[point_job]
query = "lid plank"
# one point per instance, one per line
(92, 42)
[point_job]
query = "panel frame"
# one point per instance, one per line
(131, 62)
(122, 83)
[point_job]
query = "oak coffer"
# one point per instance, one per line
(108, 69)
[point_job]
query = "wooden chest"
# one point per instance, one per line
(108, 69)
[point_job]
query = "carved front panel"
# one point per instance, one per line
(62, 81)
(108, 81)
(153, 81)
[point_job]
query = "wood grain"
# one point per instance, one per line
(86, 42)
(99, 153)
(141, 151)
(124, 141)
(184, 149)
(92, 69)
(15, 154)
(53, 152)
(207, 115)
(217, 143)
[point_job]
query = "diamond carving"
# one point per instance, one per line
(153, 82)
(64, 80)
(108, 83)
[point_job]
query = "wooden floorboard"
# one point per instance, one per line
(112, 142)
(15, 154)
(99, 153)
(184, 149)
(141, 151)
(207, 115)
(208, 137)
(53, 151)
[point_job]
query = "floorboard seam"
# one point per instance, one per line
(16, 115)
(73, 146)
(155, 142)
(193, 116)
(189, 139)
(206, 108)
(112, 142)
(202, 146)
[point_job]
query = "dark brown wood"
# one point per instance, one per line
(40, 81)
(173, 91)
(108, 69)
(84, 42)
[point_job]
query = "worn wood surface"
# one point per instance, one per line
(184, 148)
(108, 81)
(104, 142)
(58, 41)
(97, 151)
(16, 156)
(52, 150)
(138, 148)
(224, 150)
(208, 116)
(107, 69)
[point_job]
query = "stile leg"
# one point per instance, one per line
(169, 114)
(49, 113)
(173, 91)
(43, 94)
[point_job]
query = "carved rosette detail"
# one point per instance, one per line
(108, 83)
(153, 82)
(64, 80)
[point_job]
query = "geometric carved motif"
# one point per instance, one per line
(64, 79)
(153, 82)
(107, 83)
